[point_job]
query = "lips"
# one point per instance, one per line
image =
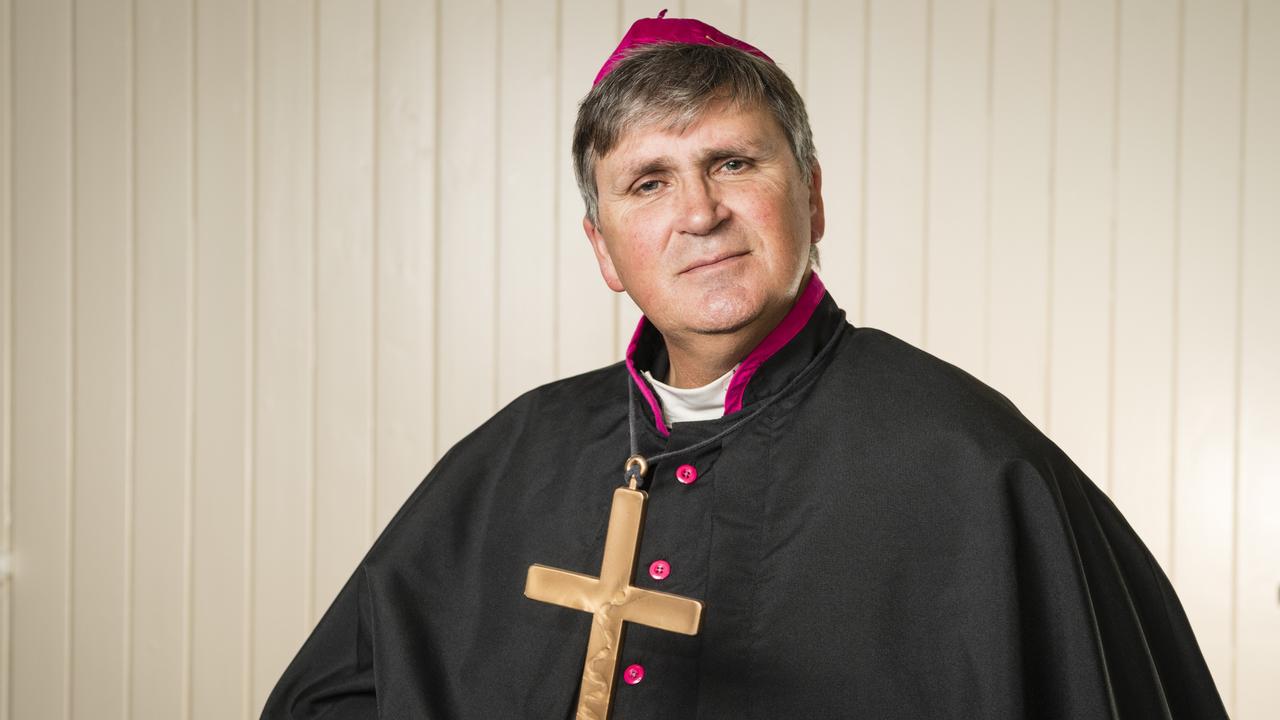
(713, 260)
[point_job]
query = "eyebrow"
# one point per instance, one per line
(666, 162)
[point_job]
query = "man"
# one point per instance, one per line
(838, 524)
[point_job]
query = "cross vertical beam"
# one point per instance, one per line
(612, 600)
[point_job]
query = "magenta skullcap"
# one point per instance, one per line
(647, 31)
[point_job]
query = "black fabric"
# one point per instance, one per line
(890, 539)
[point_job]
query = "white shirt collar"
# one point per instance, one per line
(689, 404)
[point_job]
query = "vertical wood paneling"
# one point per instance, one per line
(835, 82)
(779, 27)
(163, 292)
(283, 342)
(468, 217)
(526, 165)
(586, 311)
(633, 10)
(959, 93)
(897, 97)
(406, 143)
(1083, 183)
(1146, 136)
(102, 298)
(344, 293)
(1257, 529)
(223, 231)
(724, 15)
(1021, 138)
(1206, 337)
(6, 346)
(41, 441)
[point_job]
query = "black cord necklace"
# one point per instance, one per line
(637, 465)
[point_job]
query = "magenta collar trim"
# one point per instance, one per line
(639, 381)
(777, 339)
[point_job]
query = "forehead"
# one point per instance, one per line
(722, 124)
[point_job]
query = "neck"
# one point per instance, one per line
(701, 360)
(698, 359)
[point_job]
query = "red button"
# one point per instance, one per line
(686, 474)
(633, 674)
(659, 569)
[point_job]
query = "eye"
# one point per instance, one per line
(735, 165)
(648, 187)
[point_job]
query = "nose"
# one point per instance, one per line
(701, 210)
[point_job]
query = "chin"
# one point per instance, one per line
(721, 313)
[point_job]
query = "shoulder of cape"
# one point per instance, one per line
(559, 403)
(469, 470)
(581, 393)
(904, 379)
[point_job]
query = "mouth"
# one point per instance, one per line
(714, 262)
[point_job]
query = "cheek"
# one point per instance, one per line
(770, 202)
(768, 213)
(642, 241)
(776, 217)
(632, 256)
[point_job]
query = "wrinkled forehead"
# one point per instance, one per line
(642, 118)
(716, 134)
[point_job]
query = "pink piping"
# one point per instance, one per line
(644, 387)
(777, 338)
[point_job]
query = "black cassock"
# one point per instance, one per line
(887, 538)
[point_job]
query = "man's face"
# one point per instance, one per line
(707, 229)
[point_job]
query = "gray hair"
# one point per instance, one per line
(674, 84)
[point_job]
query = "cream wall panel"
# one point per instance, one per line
(1145, 182)
(1079, 383)
(160, 621)
(725, 15)
(344, 292)
(956, 216)
(1021, 163)
(835, 96)
(284, 608)
(1256, 625)
(102, 296)
(6, 344)
(587, 314)
(468, 217)
(778, 29)
(897, 97)
(1206, 334)
(526, 197)
(222, 373)
(42, 373)
(633, 10)
(406, 208)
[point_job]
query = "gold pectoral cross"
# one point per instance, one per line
(612, 600)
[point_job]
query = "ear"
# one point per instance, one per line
(817, 216)
(601, 249)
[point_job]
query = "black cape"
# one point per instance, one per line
(888, 538)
